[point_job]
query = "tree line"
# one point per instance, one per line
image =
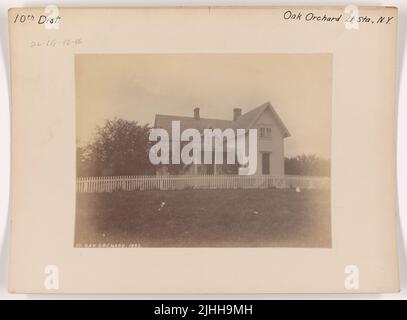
(307, 165)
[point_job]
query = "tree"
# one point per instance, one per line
(119, 147)
(307, 165)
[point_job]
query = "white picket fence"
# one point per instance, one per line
(179, 182)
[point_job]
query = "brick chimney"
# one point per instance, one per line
(237, 112)
(196, 113)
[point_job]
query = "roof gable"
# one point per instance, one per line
(249, 119)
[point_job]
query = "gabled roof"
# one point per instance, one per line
(245, 121)
(249, 119)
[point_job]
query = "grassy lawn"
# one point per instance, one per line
(205, 218)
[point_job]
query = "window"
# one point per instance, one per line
(265, 132)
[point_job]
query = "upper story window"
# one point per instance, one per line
(265, 132)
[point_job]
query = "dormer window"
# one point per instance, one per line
(265, 132)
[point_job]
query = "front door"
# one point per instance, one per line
(265, 163)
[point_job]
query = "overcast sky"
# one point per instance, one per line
(138, 86)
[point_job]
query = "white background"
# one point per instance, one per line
(5, 143)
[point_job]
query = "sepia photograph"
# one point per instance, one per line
(203, 150)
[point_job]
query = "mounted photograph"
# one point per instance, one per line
(203, 150)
